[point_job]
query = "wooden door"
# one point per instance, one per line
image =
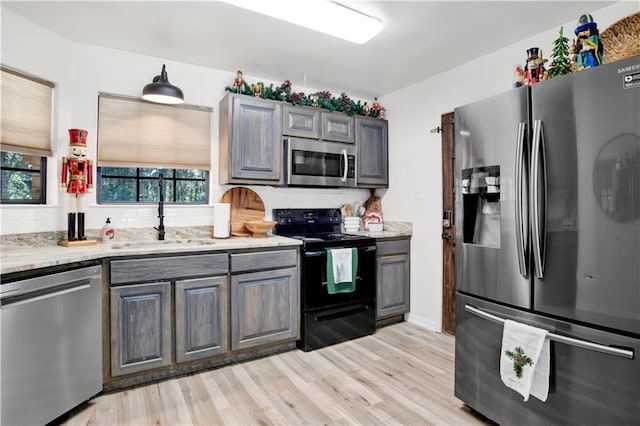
(337, 127)
(372, 142)
(201, 318)
(448, 227)
(393, 278)
(264, 307)
(256, 142)
(140, 327)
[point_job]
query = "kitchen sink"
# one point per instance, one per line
(162, 243)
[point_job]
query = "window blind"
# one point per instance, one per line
(137, 133)
(25, 113)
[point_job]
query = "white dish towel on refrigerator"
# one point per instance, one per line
(525, 360)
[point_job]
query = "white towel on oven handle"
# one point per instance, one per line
(342, 265)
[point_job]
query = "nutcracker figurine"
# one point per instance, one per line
(590, 52)
(534, 68)
(77, 178)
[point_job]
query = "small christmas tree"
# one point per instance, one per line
(561, 63)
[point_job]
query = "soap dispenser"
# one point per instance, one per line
(107, 231)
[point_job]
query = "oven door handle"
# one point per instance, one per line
(317, 253)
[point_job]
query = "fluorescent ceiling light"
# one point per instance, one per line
(319, 15)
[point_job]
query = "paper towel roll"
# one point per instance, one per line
(221, 220)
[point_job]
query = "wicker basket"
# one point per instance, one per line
(622, 39)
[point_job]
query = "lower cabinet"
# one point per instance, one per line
(201, 318)
(140, 327)
(393, 278)
(187, 293)
(182, 313)
(264, 298)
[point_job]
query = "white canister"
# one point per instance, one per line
(221, 220)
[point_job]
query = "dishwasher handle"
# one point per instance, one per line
(45, 293)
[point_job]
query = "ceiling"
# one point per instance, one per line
(419, 39)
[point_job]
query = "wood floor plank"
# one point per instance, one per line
(402, 375)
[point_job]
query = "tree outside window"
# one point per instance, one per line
(23, 178)
(140, 185)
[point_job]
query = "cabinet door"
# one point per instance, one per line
(372, 153)
(301, 122)
(264, 307)
(337, 127)
(140, 327)
(201, 318)
(393, 285)
(256, 147)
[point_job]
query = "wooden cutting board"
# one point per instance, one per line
(245, 205)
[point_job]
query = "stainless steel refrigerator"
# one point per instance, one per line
(547, 189)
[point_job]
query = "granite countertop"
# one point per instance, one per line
(23, 252)
(390, 230)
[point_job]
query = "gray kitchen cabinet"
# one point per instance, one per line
(372, 169)
(250, 144)
(140, 327)
(142, 305)
(301, 122)
(393, 278)
(201, 318)
(264, 298)
(337, 127)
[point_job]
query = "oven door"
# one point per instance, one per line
(315, 163)
(314, 283)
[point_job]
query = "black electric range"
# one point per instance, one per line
(330, 318)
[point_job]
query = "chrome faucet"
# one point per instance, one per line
(160, 227)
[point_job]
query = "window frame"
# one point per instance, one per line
(43, 181)
(138, 177)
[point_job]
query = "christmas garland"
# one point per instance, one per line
(322, 99)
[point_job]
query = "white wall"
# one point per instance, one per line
(415, 153)
(80, 72)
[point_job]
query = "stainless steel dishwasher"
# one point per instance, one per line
(51, 354)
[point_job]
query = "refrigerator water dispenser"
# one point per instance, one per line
(481, 204)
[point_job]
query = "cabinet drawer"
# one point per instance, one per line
(392, 247)
(243, 262)
(168, 268)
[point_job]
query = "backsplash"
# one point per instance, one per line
(30, 219)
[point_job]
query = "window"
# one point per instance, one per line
(23, 178)
(140, 185)
(25, 136)
(138, 140)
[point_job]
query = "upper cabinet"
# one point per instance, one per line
(250, 140)
(303, 122)
(252, 133)
(337, 127)
(372, 156)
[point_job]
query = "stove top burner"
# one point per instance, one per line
(316, 228)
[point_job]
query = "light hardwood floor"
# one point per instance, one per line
(402, 375)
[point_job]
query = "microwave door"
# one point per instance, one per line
(313, 163)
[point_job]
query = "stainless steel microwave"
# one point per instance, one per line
(317, 163)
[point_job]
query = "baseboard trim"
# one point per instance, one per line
(424, 323)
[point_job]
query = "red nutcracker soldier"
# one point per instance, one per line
(534, 69)
(77, 178)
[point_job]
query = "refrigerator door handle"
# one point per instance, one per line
(521, 232)
(538, 198)
(609, 350)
